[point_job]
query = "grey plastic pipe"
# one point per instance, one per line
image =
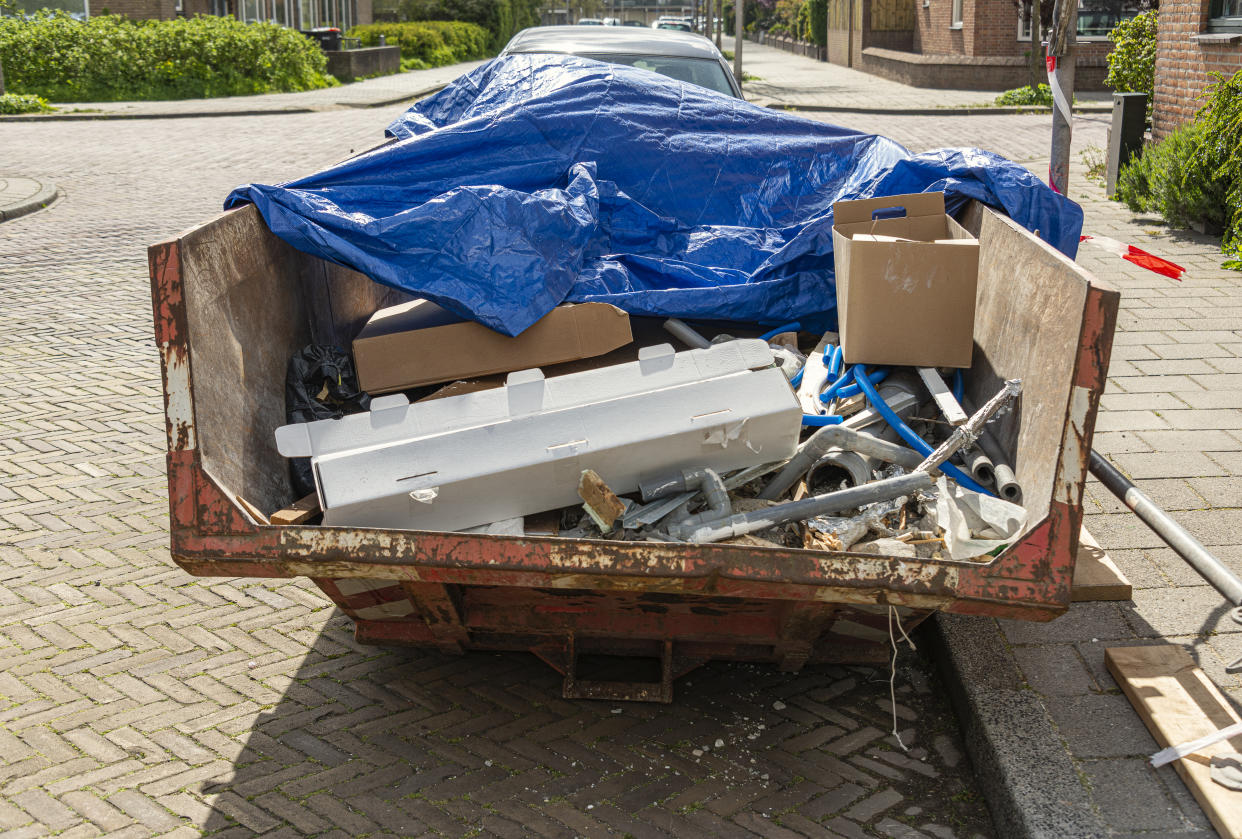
(682, 332)
(979, 465)
(1174, 535)
(704, 480)
(1007, 486)
(818, 505)
(837, 437)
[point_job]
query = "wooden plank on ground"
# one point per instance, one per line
(1178, 703)
(1096, 577)
(297, 512)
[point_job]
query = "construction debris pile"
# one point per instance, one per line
(851, 441)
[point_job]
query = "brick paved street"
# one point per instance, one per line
(135, 700)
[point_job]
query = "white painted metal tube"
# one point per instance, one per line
(1163, 525)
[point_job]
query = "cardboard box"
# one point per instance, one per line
(905, 285)
(420, 343)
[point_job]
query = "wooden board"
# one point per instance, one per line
(297, 512)
(1178, 703)
(1095, 575)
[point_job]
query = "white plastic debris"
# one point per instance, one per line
(505, 452)
(975, 524)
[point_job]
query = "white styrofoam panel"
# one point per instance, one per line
(467, 460)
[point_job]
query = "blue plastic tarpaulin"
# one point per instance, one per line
(538, 179)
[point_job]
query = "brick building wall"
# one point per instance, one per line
(990, 28)
(1184, 60)
(137, 9)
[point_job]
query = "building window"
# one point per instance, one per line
(1096, 18)
(1226, 16)
(956, 21)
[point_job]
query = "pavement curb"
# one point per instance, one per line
(965, 111)
(1032, 787)
(241, 112)
(38, 201)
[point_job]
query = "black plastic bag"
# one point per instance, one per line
(320, 383)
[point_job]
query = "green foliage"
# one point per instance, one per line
(817, 21)
(1220, 155)
(1132, 61)
(429, 43)
(501, 18)
(1041, 95)
(1194, 175)
(110, 58)
(23, 103)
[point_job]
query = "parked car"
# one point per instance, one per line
(675, 25)
(678, 55)
(637, 23)
(589, 21)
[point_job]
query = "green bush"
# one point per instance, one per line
(1220, 155)
(23, 103)
(1169, 179)
(502, 19)
(817, 22)
(110, 58)
(428, 43)
(1132, 61)
(1041, 95)
(1194, 175)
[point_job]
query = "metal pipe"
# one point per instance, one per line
(1174, 535)
(687, 335)
(817, 505)
(847, 436)
(963, 434)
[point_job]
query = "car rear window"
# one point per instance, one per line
(703, 72)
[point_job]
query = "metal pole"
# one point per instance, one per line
(739, 14)
(1061, 79)
(1174, 535)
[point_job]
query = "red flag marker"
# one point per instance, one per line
(1138, 256)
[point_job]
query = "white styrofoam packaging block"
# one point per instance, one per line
(462, 461)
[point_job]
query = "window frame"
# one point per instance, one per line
(956, 14)
(1218, 21)
(1090, 39)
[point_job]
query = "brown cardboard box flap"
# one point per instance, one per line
(419, 343)
(905, 285)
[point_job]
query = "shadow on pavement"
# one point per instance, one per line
(410, 743)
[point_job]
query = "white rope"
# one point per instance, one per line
(892, 668)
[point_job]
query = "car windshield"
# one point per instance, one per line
(701, 71)
(673, 24)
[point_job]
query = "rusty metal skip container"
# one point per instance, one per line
(232, 302)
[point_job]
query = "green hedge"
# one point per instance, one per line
(429, 43)
(501, 18)
(110, 58)
(1194, 175)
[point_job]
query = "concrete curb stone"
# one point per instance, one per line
(1031, 785)
(45, 196)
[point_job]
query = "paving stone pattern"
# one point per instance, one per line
(137, 701)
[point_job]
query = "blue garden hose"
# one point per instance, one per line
(833, 358)
(796, 381)
(959, 385)
(788, 327)
(907, 433)
(816, 421)
(850, 388)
